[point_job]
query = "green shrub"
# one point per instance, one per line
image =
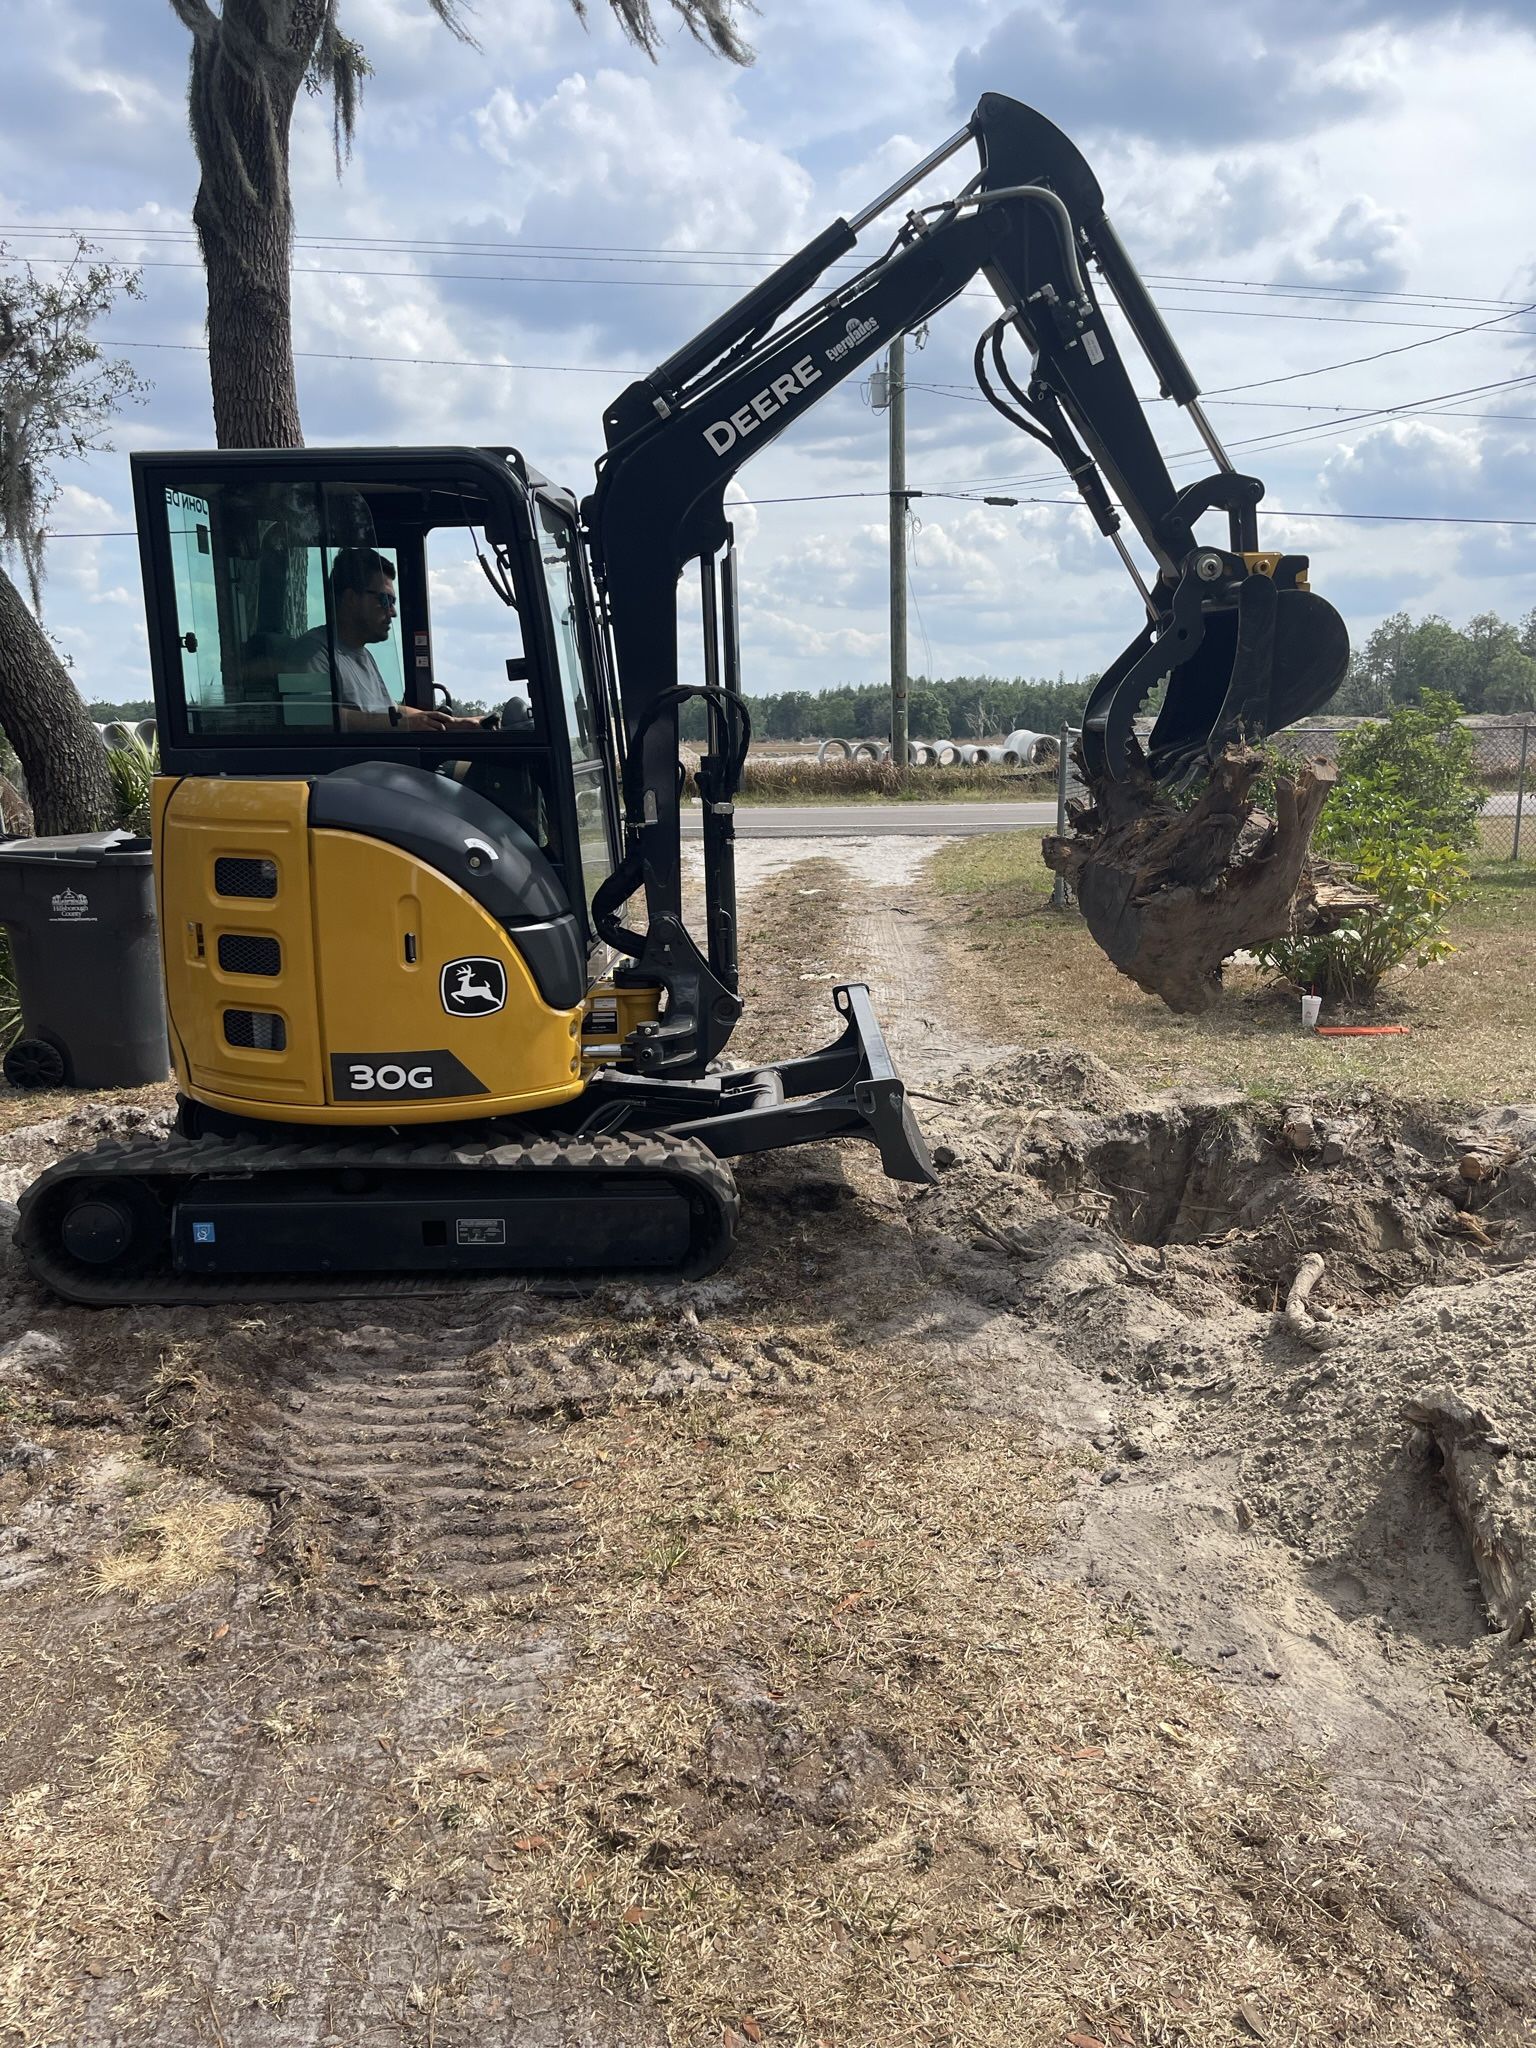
(1405, 811)
(1414, 885)
(1415, 769)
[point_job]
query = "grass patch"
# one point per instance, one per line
(843, 782)
(1041, 980)
(181, 1543)
(77, 1852)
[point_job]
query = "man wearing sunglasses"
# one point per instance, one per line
(363, 610)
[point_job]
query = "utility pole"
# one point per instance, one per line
(898, 426)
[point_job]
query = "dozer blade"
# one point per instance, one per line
(1235, 671)
(850, 1089)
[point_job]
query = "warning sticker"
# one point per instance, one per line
(479, 1230)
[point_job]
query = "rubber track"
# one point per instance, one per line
(172, 1164)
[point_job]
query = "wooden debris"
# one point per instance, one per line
(1484, 1158)
(1315, 1327)
(1298, 1130)
(1471, 1453)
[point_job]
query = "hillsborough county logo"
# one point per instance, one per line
(858, 330)
(71, 907)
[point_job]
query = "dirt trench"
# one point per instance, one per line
(924, 1629)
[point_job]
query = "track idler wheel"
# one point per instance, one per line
(120, 1225)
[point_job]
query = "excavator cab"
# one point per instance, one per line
(316, 614)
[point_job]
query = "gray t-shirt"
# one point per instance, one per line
(355, 673)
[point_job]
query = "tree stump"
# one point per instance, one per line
(1169, 894)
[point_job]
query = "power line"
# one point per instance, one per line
(613, 252)
(312, 355)
(1403, 348)
(963, 391)
(1293, 437)
(699, 284)
(974, 498)
(599, 370)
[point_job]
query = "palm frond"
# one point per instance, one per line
(133, 768)
(708, 21)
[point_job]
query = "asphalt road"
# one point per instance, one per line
(955, 819)
(876, 821)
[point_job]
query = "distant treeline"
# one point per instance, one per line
(130, 713)
(964, 708)
(1487, 665)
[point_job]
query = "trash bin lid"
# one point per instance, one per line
(82, 849)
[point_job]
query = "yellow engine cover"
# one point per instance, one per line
(305, 972)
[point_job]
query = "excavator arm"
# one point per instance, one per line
(1243, 644)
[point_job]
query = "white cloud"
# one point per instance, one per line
(1392, 150)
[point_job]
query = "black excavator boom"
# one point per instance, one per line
(1241, 644)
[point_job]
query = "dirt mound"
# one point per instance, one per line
(1337, 1508)
(25, 1152)
(1073, 1079)
(1231, 1194)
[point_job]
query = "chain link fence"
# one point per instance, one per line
(1505, 759)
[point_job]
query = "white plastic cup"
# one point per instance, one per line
(1311, 1010)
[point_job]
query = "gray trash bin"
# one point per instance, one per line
(80, 913)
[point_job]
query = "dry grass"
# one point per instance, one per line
(811, 781)
(77, 1852)
(180, 1540)
(1040, 980)
(829, 1765)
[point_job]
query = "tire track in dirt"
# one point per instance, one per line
(419, 1496)
(856, 912)
(401, 1640)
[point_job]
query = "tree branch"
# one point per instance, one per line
(198, 16)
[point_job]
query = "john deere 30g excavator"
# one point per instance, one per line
(414, 1038)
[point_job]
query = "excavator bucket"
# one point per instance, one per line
(1235, 670)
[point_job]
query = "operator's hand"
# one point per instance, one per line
(434, 721)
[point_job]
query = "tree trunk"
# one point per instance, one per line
(247, 66)
(1170, 894)
(250, 335)
(60, 751)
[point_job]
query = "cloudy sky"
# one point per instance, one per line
(1331, 200)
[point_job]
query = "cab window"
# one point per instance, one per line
(286, 610)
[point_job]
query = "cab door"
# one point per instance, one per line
(581, 697)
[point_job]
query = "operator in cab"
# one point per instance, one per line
(363, 610)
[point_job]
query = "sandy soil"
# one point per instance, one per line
(968, 1618)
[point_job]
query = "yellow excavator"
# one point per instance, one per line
(415, 1040)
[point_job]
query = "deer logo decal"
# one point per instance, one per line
(475, 987)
